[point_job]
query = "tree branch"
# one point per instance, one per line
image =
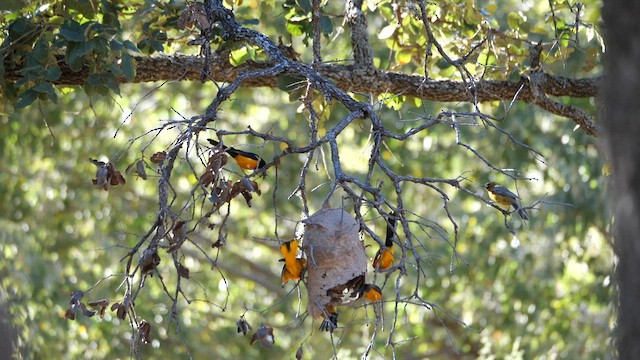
(347, 78)
(362, 54)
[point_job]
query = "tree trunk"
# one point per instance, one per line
(622, 138)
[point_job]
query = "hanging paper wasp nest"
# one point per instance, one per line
(336, 261)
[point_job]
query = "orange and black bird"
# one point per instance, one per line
(371, 292)
(331, 321)
(293, 266)
(503, 196)
(246, 160)
(384, 257)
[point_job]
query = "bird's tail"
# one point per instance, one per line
(520, 211)
(216, 143)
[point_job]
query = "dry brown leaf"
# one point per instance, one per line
(183, 271)
(102, 304)
(158, 157)
(243, 325)
(150, 260)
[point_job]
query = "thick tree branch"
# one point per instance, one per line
(362, 54)
(347, 78)
(184, 67)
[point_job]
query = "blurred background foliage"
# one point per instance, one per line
(546, 294)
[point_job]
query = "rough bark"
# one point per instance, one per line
(188, 68)
(622, 134)
(352, 78)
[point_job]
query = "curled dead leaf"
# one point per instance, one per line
(102, 304)
(149, 261)
(183, 271)
(117, 178)
(215, 163)
(120, 309)
(140, 169)
(179, 236)
(158, 157)
(207, 178)
(244, 187)
(243, 325)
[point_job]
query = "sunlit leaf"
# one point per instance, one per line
(387, 31)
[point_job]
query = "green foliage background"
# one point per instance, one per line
(547, 294)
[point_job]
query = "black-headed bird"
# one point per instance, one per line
(503, 196)
(293, 266)
(246, 160)
(384, 257)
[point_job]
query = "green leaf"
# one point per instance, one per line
(115, 45)
(443, 64)
(539, 30)
(131, 47)
(514, 20)
(326, 25)
(20, 29)
(387, 31)
(111, 82)
(46, 88)
(486, 58)
(101, 47)
(288, 83)
(114, 70)
(403, 57)
(94, 80)
(295, 28)
(27, 98)
(491, 8)
(72, 31)
(157, 45)
(305, 5)
(239, 56)
(102, 84)
(40, 53)
(392, 101)
(109, 14)
(128, 67)
(75, 54)
(52, 73)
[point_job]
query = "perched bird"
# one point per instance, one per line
(371, 292)
(246, 160)
(503, 196)
(331, 320)
(384, 257)
(293, 266)
(354, 290)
